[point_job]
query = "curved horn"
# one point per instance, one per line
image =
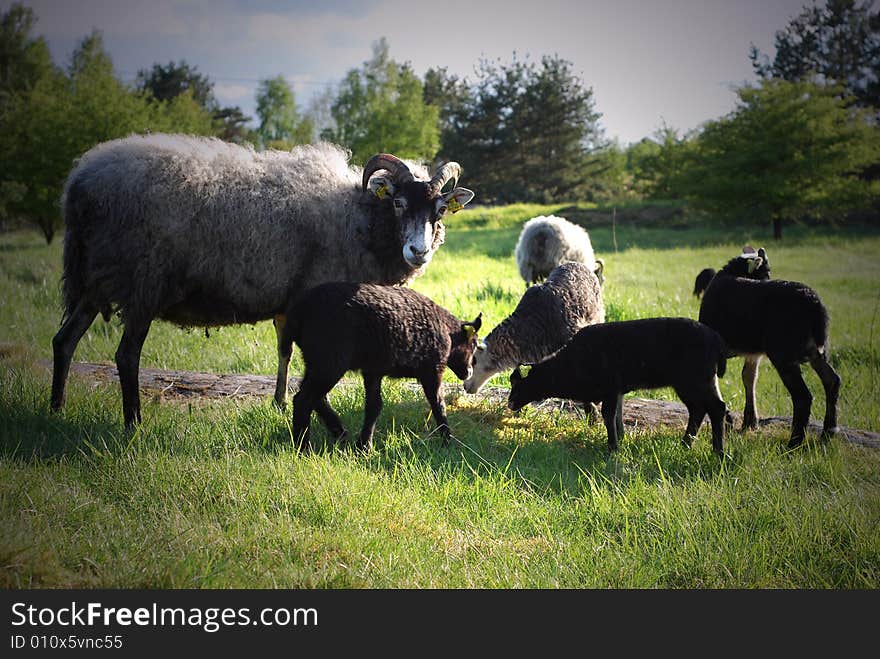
(399, 171)
(451, 170)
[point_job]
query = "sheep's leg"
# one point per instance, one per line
(303, 403)
(618, 417)
(717, 417)
(330, 418)
(431, 386)
(372, 408)
(831, 382)
(801, 399)
(128, 359)
(750, 379)
(63, 345)
(285, 349)
(696, 412)
(612, 408)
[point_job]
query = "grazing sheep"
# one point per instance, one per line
(545, 319)
(603, 362)
(378, 330)
(784, 320)
(206, 233)
(545, 242)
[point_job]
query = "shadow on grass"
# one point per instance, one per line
(542, 456)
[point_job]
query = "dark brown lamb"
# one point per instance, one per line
(379, 331)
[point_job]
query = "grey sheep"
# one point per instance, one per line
(545, 319)
(547, 241)
(206, 233)
(603, 362)
(784, 320)
(378, 330)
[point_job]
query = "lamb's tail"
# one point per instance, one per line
(820, 322)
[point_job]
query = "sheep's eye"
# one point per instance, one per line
(441, 211)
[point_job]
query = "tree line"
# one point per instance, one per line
(801, 142)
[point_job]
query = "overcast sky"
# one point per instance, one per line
(646, 61)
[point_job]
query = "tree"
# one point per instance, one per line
(167, 82)
(657, 164)
(280, 125)
(523, 132)
(839, 42)
(24, 59)
(380, 108)
(789, 149)
(63, 115)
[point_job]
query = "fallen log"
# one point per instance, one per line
(637, 412)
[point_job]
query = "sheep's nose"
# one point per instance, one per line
(417, 253)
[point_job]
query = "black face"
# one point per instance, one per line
(521, 391)
(461, 357)
(419, 215)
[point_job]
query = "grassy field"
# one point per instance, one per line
(210, 494)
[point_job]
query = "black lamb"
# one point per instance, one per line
(378, 330)
(603, 362)
(784, 320)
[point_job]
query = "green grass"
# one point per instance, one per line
(209, 493)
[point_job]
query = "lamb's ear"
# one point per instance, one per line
(762, 253)
(472, 328)
(381, 186)
(456, 199)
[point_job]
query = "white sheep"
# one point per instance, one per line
(547, 241)
(545, 319)
(206, 233)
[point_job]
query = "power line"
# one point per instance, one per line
(133, 74)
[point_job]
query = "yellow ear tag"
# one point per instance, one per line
(382, 191)
(453, 206)
(470, 331)
(525, 369)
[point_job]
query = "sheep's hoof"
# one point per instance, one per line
(687, 441)
(728, 421)
(280, 404)
(794, 442)
(828, 433)
(751, 425)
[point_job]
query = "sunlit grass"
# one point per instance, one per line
(210, 493)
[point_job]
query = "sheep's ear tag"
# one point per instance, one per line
(470, 330)
(754, 264)
(524, 370)
(457, 199)
(380, 187)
